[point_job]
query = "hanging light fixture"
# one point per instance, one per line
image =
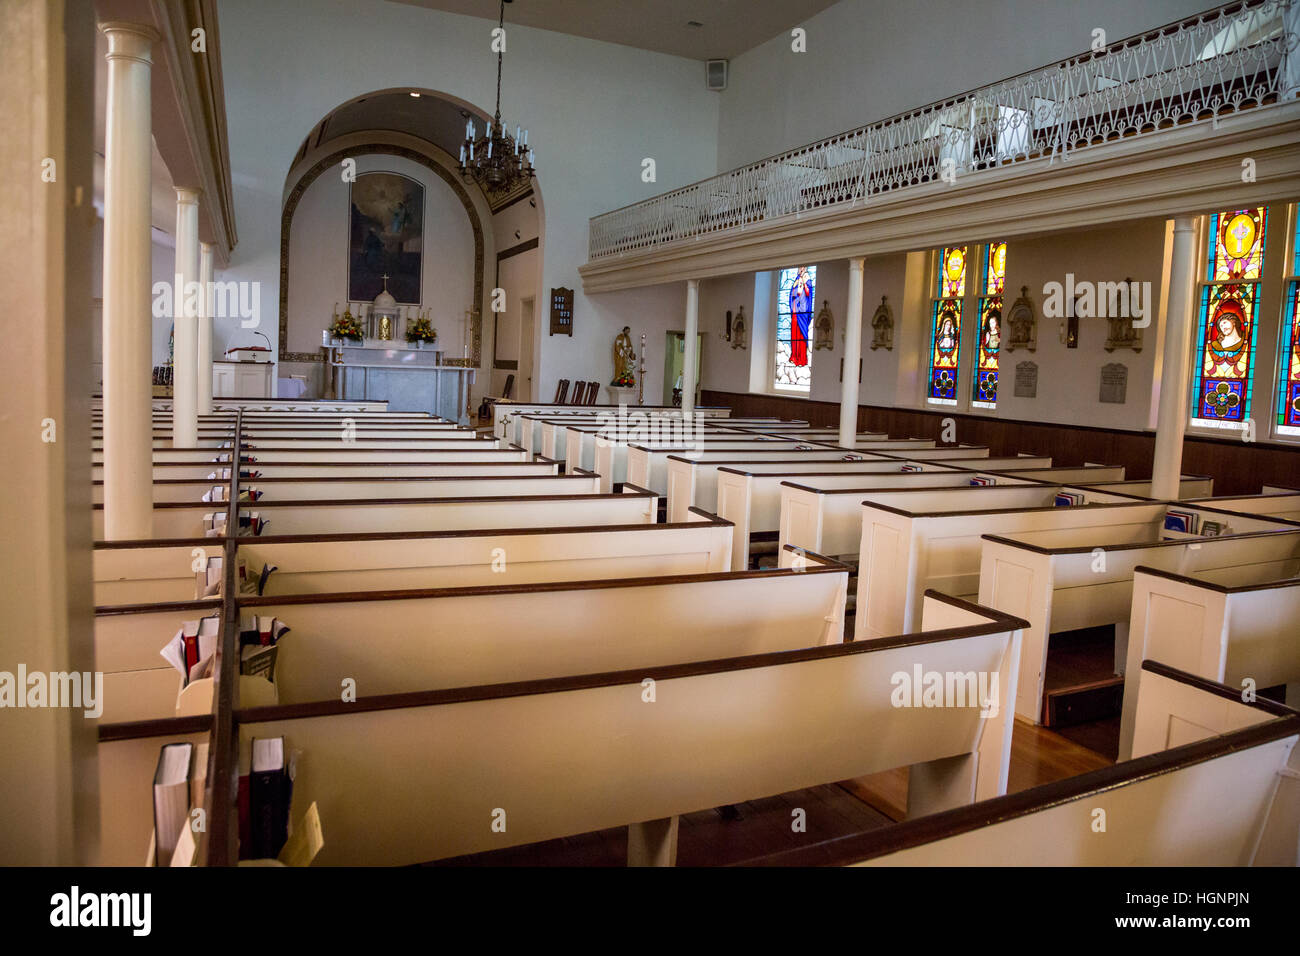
(497, 161)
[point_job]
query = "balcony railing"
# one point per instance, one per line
(1242, 56)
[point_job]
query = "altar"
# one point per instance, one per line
(410, 379)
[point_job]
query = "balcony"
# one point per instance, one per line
(1166, 94)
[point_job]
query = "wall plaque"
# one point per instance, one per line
(562, 312)
(1026, 380)
(1114, 384)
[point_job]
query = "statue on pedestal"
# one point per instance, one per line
(624, 360)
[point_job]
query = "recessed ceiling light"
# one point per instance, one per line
(416, 95)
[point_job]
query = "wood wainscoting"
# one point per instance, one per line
(1238, 468)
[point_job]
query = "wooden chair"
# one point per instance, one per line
(593, 392)
(561, 391)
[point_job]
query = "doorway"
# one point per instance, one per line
(525, 385)
(675, 363)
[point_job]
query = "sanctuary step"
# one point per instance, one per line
(1080, 685)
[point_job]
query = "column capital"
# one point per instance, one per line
(130, 41)
(186, 196)
(857, 262)
(1184, 223)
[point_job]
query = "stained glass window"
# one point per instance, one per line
(1225, 369)
(796, 292)
(993, 275)
(1288, 349)
(945, 326)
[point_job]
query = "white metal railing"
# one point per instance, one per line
(1244, 55)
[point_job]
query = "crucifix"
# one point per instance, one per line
(640, 374)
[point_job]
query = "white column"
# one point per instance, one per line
(692, 344)
(852, 354)
(1175, 368)
(185, 393)
(128, 346)
(205, 330)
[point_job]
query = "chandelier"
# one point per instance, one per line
(497, 161)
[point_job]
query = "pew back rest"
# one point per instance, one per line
(581, 754)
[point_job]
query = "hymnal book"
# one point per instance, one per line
(983, 481)
(1214, 529)
(1066, 499)
(910, 468)
(171, 799)
(193, 648)
(269, 794)
(1185, 521)
(256, 660)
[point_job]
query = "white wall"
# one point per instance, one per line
(867, 60)
(318, 256)
(1067, 378)
(595, 111)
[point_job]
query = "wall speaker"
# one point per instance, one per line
(715, 74)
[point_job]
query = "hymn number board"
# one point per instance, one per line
(562, 312)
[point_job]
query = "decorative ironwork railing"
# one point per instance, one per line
(1241, 56)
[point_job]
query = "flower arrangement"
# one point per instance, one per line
(346, 327)
(420, 330)
(626, 380)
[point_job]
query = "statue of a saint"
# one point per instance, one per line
(624, 360)
(738, 331)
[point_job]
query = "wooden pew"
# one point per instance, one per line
(1217, 785)
(185, 519)
(492, 461)
(1273, 502)
(634, 506)
(1223, 624)
(750, 495)
(473, 451)
(1078, 575)
(693, 481)
(611, 459)
(506, 416)
(914, 539)
(415, 777)
(467, 636)
(1189, 487)
(193, 480)
(649, 462)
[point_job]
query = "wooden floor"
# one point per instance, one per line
(724, 836)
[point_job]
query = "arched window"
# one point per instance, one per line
(993, 275)
(1225, 368)
(796, 292)
(1288, 351)
(945, 326)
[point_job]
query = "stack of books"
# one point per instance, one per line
(265, 795)
(1185, 522)
(214, 524)
(1066, 499)
(178, 785)
(193, 648)
(208, 577)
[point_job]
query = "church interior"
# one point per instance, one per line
(557, 433)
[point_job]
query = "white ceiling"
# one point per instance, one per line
(729, 27)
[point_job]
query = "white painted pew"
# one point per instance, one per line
(378, 483)
(1219, 785)
(419, 777)
(148, 572)
(493, 461)
(924, 453)
(911, 540)
(634, 506)
(507, 417)
(185, 519)
(1073, 576)
(1189, 487)
(474, 451)
(649, 463)
(750, 496)
(611, 459)
(1273, 502)
(488, 558)
(640, 428)
(334, 439)
(1226, 632)
(465, 637)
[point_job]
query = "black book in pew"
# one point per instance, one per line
(270, 790)
(171, 799)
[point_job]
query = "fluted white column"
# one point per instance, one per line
(1175, 368)
(205, 329)
(128, 334)
(185, 428)
(692, 345)
(849, 386)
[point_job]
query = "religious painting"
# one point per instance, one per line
(386, 237)
(945, 326)
(993, 274)
(1224, 375)
(1288, 411)
(796, 289)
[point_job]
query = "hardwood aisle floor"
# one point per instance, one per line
(723, 836)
